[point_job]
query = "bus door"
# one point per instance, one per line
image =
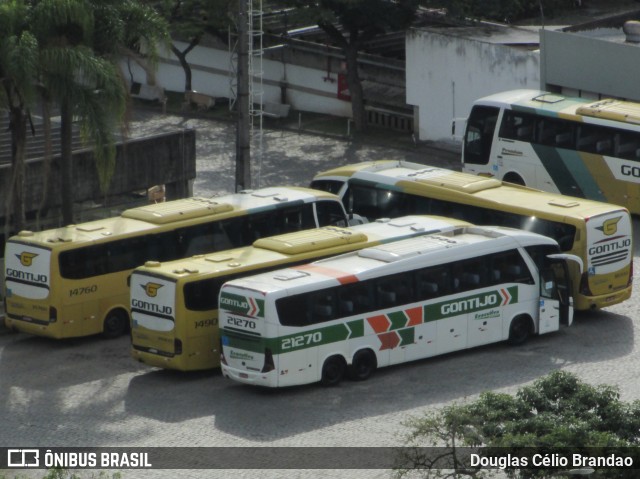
(556, 302)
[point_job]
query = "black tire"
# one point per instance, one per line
(519, 331)
(363, 366)
(332, 371)
(514, 178)
(115, 324)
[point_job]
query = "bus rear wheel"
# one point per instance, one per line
(332, 371)
(363, 365)
(520, 330)
(115, 324)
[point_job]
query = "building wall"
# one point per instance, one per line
(306, 88)
(586, 65)
(446, 73)
(168, 159)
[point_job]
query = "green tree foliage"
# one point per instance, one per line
(18, 70)
(554, 413)
(352, 23)
(502, 10)
(80, 44)
(191, 19)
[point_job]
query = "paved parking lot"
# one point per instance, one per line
(89, 392)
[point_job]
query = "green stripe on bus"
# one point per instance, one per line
(569, 172)
(357, 328)
(470, 304)
(398, 320)
(407, 336)
(558, 170)
(242, 305)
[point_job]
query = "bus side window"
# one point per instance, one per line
(330, 213)
(419, 205)
(322, 306)
(395, 290)
(516, 270)
(330, 186)
(469, 274)
(432, 282)
(354, 299)
(363, 200)
(594, 139)
(516, 126)
(556, 133)
(627, 145)
(293, 310)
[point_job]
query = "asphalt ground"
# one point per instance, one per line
(89, 392)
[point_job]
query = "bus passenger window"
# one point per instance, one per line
(594, 139)
(627, 145)
(330, 213)
(322, 308)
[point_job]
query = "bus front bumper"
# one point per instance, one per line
(583, 303)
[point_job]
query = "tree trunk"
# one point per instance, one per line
(355, 87)
(66, 161)
(182, 58)
(46, 129)
(15, 208)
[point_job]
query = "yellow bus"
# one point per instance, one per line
(73, 281)
(174, 305)
(599, 233)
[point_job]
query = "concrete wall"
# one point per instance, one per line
(307, 89)
(579, 63)
(301, 74)
(141, 163)
(446, 73)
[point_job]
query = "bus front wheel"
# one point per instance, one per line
(332, 371)
(363, 365)
(520, 330)
(514, 178)
(115, 324)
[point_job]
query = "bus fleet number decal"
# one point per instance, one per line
(206, 323)
(83, 290)
(241, 322)
(302, 340)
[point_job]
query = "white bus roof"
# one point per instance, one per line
(422, 251)
(278, 247)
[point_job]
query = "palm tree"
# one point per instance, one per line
(18, 67)
(85, 86)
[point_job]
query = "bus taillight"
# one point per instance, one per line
(269, 365)
(53, 314)
(177, 346)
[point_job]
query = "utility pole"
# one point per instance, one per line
(243, 128)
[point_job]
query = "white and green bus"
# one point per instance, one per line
(174, 304)
(391, 304)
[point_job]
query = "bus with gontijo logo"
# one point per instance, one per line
(174, 304)
(599, 233)
(73, 281)
(393, 303)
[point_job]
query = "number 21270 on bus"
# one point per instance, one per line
(391, 304)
